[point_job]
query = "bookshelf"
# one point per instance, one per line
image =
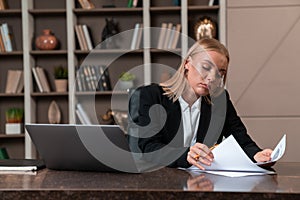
(61, 16)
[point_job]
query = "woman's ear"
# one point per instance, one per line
(187, 64)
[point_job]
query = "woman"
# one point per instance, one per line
(174, 121)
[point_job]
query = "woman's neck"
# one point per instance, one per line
(189, 96)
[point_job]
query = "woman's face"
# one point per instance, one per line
(206, 71)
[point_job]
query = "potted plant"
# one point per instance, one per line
(61, 78)
(14, 120)
(126, 80)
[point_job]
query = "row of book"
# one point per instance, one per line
(168, 36)
(14, 81)
(84, 37)
(7, 43)
(41, 79)
(93, 78)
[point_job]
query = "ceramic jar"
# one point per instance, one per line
(46, 41)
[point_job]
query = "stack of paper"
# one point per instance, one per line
(231, 160)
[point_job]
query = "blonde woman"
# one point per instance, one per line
(175, 118)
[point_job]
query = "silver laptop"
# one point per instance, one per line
(82, 147)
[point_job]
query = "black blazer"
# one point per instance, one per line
(158, 128)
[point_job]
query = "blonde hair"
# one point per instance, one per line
(175, 86)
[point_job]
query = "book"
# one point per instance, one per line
(21, 165)
(43, 79)
(3, 5)
(79, 37)
(37, 79)
(20, 85)
(8, 37)
(2, 47)
(172, 35)
(10, 81)
(211, 2)
(83, 114)
(81, 34)
(80, 117)
(135, 36)
(14, 81)
(104, 78)
(87, 37)
(139, 37)
(176, 36)
(161, 35)
(86, 4)
(167, 36)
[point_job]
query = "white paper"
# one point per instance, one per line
(277, 152)
(231, 160)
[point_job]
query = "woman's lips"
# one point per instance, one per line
(203, 85)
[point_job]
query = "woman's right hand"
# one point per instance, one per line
(200, 154)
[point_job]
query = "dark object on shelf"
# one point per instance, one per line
(205, 28)
(46, 41)
(116, 117)
(110, 29)
(3, 153)
(177, 2)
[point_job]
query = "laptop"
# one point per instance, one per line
(101, 148)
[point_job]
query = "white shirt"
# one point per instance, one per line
(190, 119)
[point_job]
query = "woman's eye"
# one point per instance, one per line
(206, 67)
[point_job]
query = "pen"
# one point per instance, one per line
(211, 148)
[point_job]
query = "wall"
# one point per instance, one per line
(263, 78)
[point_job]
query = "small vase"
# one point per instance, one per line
(61, 85)
(124, 85)
(46, 41)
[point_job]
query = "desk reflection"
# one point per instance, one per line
(211, 182)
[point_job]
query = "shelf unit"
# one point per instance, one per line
(32, 16)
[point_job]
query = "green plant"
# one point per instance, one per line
(14, 115)
(61, 72)
(126, 76)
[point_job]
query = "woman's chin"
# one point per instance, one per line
(202, 91)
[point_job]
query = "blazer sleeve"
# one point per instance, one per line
(234, 126)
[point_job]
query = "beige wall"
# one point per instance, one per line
(263, 38)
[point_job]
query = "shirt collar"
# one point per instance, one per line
(184, 105)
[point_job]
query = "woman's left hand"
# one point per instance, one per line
(263, 156)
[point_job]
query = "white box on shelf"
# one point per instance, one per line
(14, 128)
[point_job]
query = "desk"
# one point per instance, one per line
(166, 183)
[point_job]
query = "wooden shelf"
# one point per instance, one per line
(12, 95)
(109, 51)
(50, 52)
(105, 11)
(49, 94)
(47, 12)
(165, 50)
(99, 93)
(165, 8)
(12, 53)
(11, 12)
(203, 8)
(11, 136)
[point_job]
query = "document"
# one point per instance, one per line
(21, 165)
(231, 160)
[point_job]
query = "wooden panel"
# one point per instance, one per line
(268, 131)
(264, 66)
